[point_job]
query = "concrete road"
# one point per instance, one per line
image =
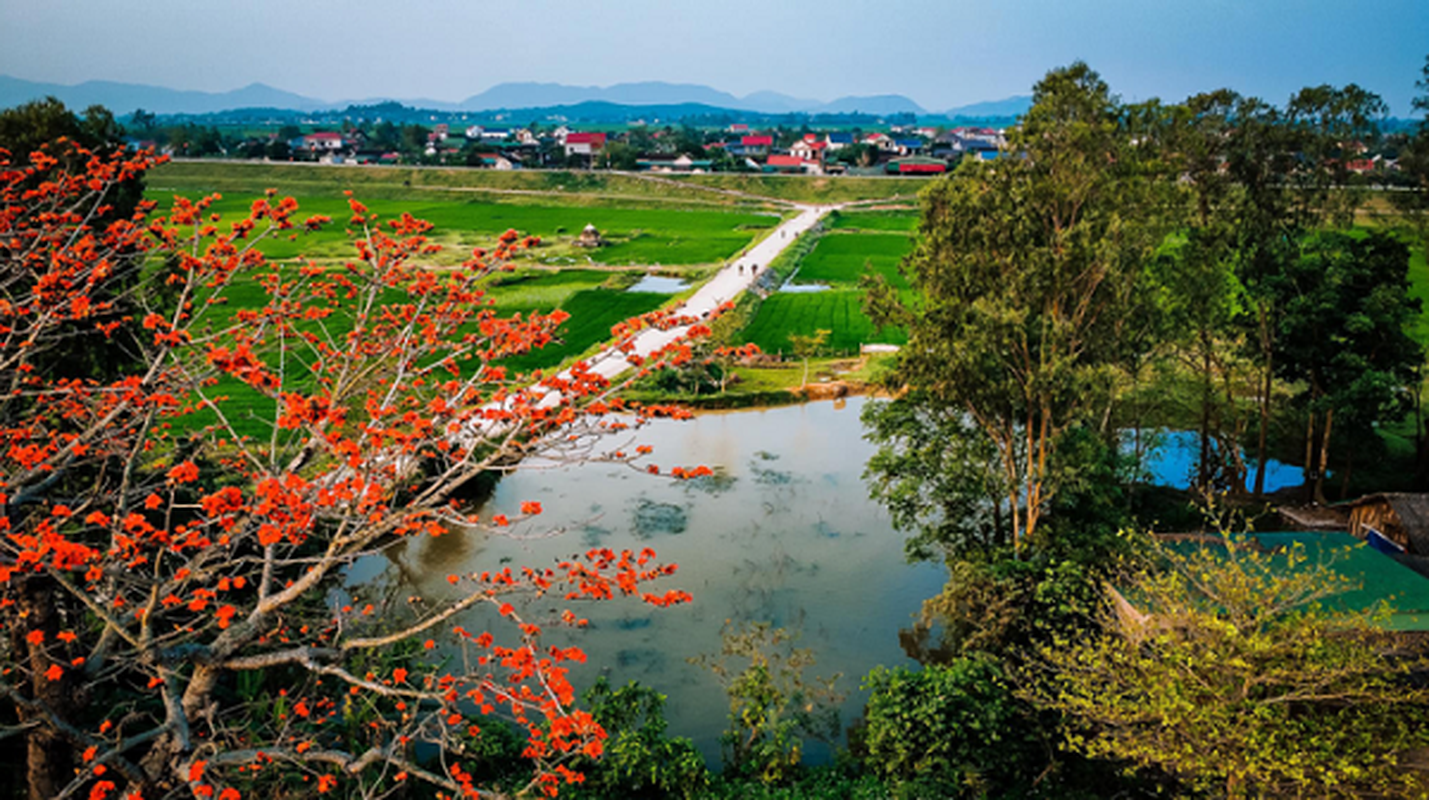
(736, 277)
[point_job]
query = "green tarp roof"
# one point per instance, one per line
(1379, 576)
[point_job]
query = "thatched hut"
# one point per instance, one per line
(1401, 518)
(590, 237)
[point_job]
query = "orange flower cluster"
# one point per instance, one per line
(201, 535)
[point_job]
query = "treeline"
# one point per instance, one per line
(1207, 265)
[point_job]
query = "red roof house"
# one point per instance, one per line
(584, 143)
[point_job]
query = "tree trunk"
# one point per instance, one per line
(1203, 472)
(1309, 468)
(49, 757)
(1349, 467)
(1323, 463)
(1260, 449)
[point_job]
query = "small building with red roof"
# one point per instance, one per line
(584, 143)
(809, 148)
(326, 141)
(787, 163)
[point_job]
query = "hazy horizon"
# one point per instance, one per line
(939, 54)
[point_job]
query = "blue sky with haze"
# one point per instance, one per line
(940, 54)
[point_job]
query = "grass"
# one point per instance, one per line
(426, 183)
(409, 183)
(876, 221)
(638, 236)
(840, 260)
(1419, 288)
(593, 313)
(528, 291)
(837, 310)
(810, 188)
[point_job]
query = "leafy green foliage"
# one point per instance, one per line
(772, 704)
(639, 759)
(1230, 674)
(1343, 334)
(1023, 272)
(957, 726)
(937, 476)
(1004, 606)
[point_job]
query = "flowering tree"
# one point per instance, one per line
(173, 542)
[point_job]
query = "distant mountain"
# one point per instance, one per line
(122, 98)
(880, 105)
(1014, 106)
(540, 95)
(543, 95)
(775, 103)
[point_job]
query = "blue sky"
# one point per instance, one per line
(940, 54)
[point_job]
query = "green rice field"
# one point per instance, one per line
(840, 260)
(836, 310)
(642, 236)
(889, 221)
(593, 313)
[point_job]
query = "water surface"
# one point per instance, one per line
(785, 534)
(659, 284)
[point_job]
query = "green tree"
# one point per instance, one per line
(143, 121)
(385, 136)
(1023, 273)
(1288, 169)
(414, 139)
(1196, 277)
(1240, 681)
(639, 759)
(938, 477)
(1343, 335)
(951, 730)
(773, 705)
(808, 346)
(618, 155)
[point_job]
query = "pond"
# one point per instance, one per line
(659, 284)
(1173, 456)
(785, 534)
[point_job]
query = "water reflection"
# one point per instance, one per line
(783, 532)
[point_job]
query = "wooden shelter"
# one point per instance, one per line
(1401, 518)
(590, 237)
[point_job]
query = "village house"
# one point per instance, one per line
(809, 148)
(792, 164)
(908, 147)
(585, 144)
(319, 142)
(882, 141)
(499, 161)
(955, 145)
(751, 145)
(838, 140)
